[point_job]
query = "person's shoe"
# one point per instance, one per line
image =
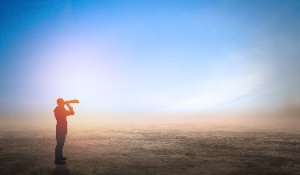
(63, 158)
(59, 162)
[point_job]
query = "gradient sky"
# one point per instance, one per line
(149, 56)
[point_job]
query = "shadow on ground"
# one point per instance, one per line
(61, 169)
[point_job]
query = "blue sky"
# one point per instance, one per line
(150, 56)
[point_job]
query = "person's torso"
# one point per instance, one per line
(61, 115)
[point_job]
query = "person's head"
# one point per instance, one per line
(60, 102)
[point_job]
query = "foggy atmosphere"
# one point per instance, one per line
(149, 87)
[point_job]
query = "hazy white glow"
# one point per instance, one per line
(81, 68)
(152, 57)
(220, 92)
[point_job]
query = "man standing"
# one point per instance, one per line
(60, 114)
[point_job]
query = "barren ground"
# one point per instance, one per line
(153, 149)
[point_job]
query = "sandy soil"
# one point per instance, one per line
(153, 149)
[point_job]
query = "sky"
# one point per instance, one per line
(149, 56)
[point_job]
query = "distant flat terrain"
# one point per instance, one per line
(153, 149)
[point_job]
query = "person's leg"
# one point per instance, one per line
(58, 150)
(60, 139)
(63, 143)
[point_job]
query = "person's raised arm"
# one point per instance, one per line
(71, 111)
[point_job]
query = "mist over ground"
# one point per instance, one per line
(207, 147)
(219, 143)
(279, 116)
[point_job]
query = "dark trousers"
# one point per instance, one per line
(61, 132)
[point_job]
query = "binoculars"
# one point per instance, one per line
(72, 101)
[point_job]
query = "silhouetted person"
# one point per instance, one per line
(60, 114)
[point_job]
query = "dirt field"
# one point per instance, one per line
(153, 149)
